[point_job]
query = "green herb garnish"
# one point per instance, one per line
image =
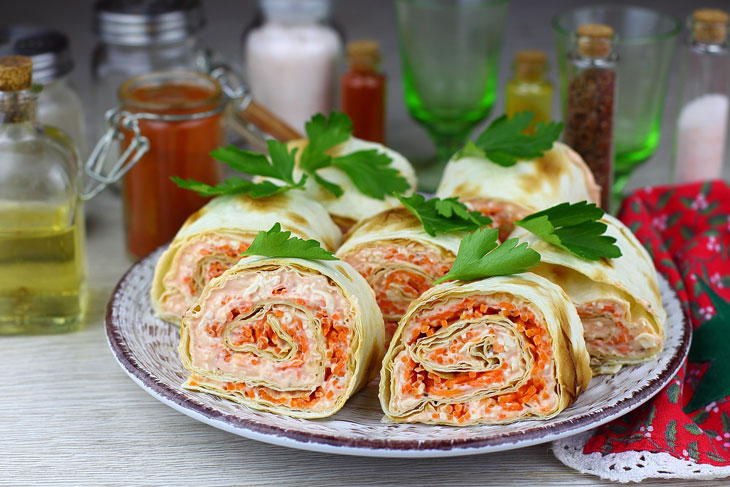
(279, 165)
(504, 143)
(480, 256)
(575, 228)
(369, 170)
(276, 243)
(443, 215)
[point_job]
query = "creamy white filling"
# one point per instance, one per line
(305, 371)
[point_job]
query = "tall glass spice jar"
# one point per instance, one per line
(362, 90)
(141, 36)
(291, 59)
(701, 147)
(180, 114)
(591, 102)
(59, 104)
(42, 254)
(529, 90)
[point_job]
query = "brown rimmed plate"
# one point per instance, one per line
(146, 348)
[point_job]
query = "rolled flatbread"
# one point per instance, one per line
(497, 350)
(618, 299)
(288, 336)
(398, 259)
(507, 194)
(213, 239)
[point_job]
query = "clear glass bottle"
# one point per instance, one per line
(59, 103)
(292, 57)
(591, 102)
(42, 253)
(701, 136)
(529, 90)
(140, 36)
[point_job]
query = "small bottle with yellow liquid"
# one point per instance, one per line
(42, 253)
(529, 90)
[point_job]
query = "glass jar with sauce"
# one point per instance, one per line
(141, 36)
(180, 115)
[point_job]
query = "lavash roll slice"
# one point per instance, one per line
(353, 205)
(398, 259)
(618, 300)
(288, 336)
(492, 351)
(213, 239)
(507, 194)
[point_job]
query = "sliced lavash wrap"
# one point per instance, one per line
(212, 239)
(353, 205)
(398, 259)
(507, 194)
(618, 299)
(288, 336)
(493, 351)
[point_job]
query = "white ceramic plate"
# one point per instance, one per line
(146, 348)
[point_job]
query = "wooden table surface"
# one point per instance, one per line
(69, 416)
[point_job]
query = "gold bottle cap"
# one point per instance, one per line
(595, 40)
(364, 53)
(530, 64)
(16, 73)
(710, 25)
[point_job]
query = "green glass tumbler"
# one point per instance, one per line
(645, 47)
(450, 53)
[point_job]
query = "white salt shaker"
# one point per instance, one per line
(292, 57)
(701, 149)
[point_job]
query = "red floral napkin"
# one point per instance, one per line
(686, 229)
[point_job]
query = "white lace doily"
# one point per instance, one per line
(632, 466)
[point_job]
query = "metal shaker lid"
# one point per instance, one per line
(48, 48)
(145, 22)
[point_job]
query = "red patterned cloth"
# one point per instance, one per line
(686, 229)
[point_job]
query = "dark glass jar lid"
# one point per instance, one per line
(49, 50)
(145, 22)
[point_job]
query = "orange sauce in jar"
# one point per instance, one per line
(154, 206)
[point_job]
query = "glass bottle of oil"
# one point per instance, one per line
(42, 254)
(529, 90)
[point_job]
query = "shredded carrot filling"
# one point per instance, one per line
(337, 337)
(503, 214)
(431, 384)
(620, 340)
(216, 268)
(410, 284)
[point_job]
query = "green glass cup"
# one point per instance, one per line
(646, 40)
(450, 52)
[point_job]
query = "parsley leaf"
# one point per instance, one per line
(575, 228)
(371, 173)
(504, 143)
(276, 243)
(280, 166)
(238, 185)
(443, 215)
(480, 257)
(369, 170)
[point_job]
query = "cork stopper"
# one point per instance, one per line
(16, 73)
(710, 25)
(364, 53)
(594, 40)
(530, 64)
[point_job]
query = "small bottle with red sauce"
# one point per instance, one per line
(363, 91)
(180, 113)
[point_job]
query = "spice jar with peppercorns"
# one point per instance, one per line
(591, 102)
